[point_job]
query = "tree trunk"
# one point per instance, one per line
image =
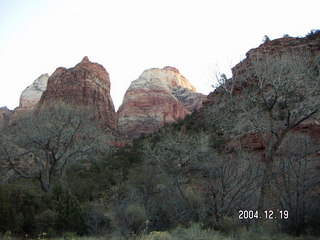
(266, 194)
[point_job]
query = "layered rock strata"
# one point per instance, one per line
(86, 84)
(157, 97)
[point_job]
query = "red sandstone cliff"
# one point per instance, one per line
(86, 84)
(288, 45)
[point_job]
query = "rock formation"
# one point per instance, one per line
(158, 96)
(86, 84)
(189, 99)
(31, 95)
(288, 45)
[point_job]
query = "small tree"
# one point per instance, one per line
(297, 182)
(266, 39)
(160, 184)
(69, 212)
(313, 34)
(230, 182)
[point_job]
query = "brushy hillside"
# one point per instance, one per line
(245, 166)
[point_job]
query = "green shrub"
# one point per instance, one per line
(195, 231)
(136, 217)
(313, 34)
(87, 184)
(216, 142)
(46, 222)
(226, 225)
(69, 211)
(70, 236)
(157, 236)
(262, 231)
(18, 207)
(130, 219)
(96, 223)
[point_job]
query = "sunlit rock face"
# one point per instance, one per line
(158, 96)
(31, 95)
(87, 84)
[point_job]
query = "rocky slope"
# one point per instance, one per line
(86, 84)
(158, 96)
(279, 46)
(287, 45)
(4, 116)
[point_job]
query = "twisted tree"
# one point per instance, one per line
(44, 145)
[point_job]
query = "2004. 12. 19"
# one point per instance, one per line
(266, 214)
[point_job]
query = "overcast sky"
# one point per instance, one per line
(127, 37)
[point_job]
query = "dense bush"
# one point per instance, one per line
(312, 223)
(130, 219)
(157, 236)
(69, 211)
(195, 231)
(89, 183)
(313, 34)
(96, 223)
(18, 207)
(266, 39)
(45, 222)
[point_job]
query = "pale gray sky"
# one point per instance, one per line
(127, 37)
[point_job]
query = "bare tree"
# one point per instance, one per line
(175, 155)
(190, 167)
(161, 182)
(271, 96)
(46, 144)
(231, 183)
(297, 182)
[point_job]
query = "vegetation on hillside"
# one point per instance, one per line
(194, 179)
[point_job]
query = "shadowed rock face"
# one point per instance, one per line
(286, 45)
(189, 99)
(279, 46)
(87, 84)
(158, 96)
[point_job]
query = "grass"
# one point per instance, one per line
(194, 232)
